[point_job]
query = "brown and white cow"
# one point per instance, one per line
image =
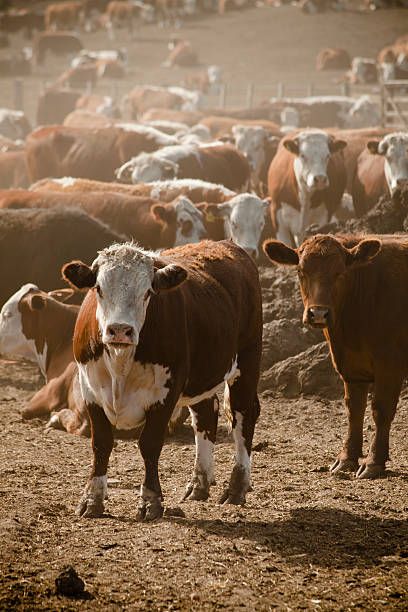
(215, 163)
(363, 70)
(95, 103)
(152, 224)
(165, 191)
(146, 97)
(158, 331)
(181, 53)
(332, 59)
(382, 168)
(259, 147)
(119, 14)
(64, 15)
(306, 182)
(356, 290)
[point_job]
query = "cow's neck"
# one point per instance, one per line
(119, 363)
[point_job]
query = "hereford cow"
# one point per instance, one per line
(166, 191)
(190, 118)
(152, 224)
(119, 14)
(216, 163)
(222, 125)
(356, 290)
(88, 153)
(363, 70)
(56, 43)
(194, 328)
(22, 20)
(306, 182)
(64, 16)
(332, 59)
(14, 124)
(55, 104)
(259, 147)
(181, 54)
(382, 168)
(95, 103)
(65, 232)
(144, 97)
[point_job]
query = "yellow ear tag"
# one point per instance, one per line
(210, 217)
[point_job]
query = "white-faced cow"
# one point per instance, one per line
(306, 182)
(356, 290)
(258, 145)
(158, 331)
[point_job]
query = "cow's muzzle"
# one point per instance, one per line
(316, 316)
(120, 334)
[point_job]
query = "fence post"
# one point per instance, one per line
(18, 94)
(310, 89)
(345, 88)
(281, 90)
(250, 95)
(223, 95)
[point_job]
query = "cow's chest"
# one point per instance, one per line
(125, 396)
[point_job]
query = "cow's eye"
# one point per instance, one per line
(99, 290)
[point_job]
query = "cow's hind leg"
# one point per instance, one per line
(355, 397)
(384, 405)
(91, 504)
(244, 405)
(204, 417)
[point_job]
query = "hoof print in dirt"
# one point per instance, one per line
(69, 584)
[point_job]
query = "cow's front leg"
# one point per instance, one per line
(204, 417)
(150, 444)
(91, 504)
(355, 397)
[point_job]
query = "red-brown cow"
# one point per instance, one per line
(64, 16)
(166, 330)
(306, 181)
(356, 290)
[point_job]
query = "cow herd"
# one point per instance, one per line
(157, 214)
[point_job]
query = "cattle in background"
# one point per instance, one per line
(110, 55)
(64, 15)
(392, 60)
(168, 114)
(56, 43)
(22, 20)
(59, 151)
(363, 70)
(356, 289)
(119, 14)
(165, 191)
(95, 103)
(207, 81)
(194, 305)
(181, 54)
(332, 59)
(220, 126)
(13, 170)
(86, 119)
(17, 63)
(152, 224)
(259, 147)
(215, 163)
(382, 168)
(65, 232)
(14, 124)
(55, 104)
(306, 182)
(144, 98)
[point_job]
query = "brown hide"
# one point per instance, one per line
(55, 104)
(13, 170)
(219, 126)
(170, 114)
(369, 182)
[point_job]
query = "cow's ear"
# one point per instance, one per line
(337, 145)
(363, 252)
(36, 301)
(169, 277)
(372, 146)
(61, 295)
(166, 214)
(217, 211)
(79, 275)
(280, 253)
(292, 145)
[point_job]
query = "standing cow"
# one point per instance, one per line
(356, 290)
(162, 330)
(306, 181)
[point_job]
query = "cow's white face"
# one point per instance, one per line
(312, 150)
(13, 342)
(244, 220)
(394, 149)
(250, 140)
(147, 168)
(190, 226)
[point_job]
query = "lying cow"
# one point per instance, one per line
(382, 168)
(194, 327)
(215, 163)
(356, 290)
(165, 191)
(306, 182)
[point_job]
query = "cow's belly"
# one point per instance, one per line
(124, 399)
(230, 376)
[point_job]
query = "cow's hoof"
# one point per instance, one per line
(90, 508)
(149, 511)
(343, 465)
(370, 471)
(194, 493)
(237, 499)
(53, 423)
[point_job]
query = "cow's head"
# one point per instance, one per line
(244, 220)
(394, 149)
(146, 168)
(322, 263)
(181, 219)
(251, 141)
(312, 150)
(124, 277)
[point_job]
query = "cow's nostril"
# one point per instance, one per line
(129, 332)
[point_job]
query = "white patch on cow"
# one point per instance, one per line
(156, 166)
(394, 148)
(65, 181)
(242, 459)
(289, 222)
(192, 100)
(160, 138)
(125, 398)
(204, 460)
(251, 141)
(159, 188)
(13, 342)
(96, 489)
(229, 378)
(189, 220)
(244, 220)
